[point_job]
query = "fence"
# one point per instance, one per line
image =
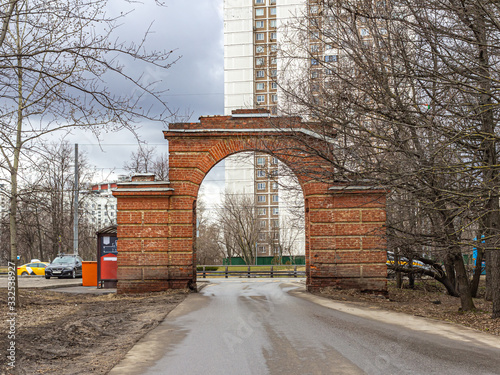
(267, 261)
(228, 271)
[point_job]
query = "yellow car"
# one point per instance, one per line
(32, 269)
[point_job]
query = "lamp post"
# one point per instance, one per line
(75, 213)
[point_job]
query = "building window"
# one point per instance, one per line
(275, 186)
(364, 32)
(261, 186)
(262, 224)
(261, 86)
(273, 60)
(274, 47)
(275, 198)
(259, 24)
(259, 49)
(331, 58)
(259, 61)
(261, 173)
(261, 161)
(273, 1)
(314, 61)
(275, 223)
(329, 72)
(259, 12)
(314, 74)
(315, 34)
(259, 36)
(262, 249)
(259, 1)
(261, 211)
(261, 98)
(315, 48)
(272, 23)
(261, 73)
(274, 85)
(314, 9)
(273, 35)
(274, 98)
(262, 236)
(274, 73)
(276, 211)
(261, 198)
(274, 160)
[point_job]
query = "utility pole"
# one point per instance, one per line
(75, 213)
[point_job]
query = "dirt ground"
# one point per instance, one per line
(88, 334)
(427, 299)
(81, 333)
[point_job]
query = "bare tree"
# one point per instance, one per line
(160, 167)
(45, 211)
(145, 160)
(237, 216)
(209, 248)
(409, 90)
(141, 161)
(56, 60)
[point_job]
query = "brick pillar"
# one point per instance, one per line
(347, 239)
(150, 255)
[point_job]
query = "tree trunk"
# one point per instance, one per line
(399, 280)
(411, 276)
(450, 271)
(495, 276)
(14, 168)
(477, 270)
(489, 290)
(411, 281)
(464, 290)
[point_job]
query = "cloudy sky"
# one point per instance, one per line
(194, 84)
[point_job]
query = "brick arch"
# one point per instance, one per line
(219, 148)
(344, 225)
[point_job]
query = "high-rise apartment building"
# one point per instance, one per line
(258, 175)
(251, 66)
(251, 39)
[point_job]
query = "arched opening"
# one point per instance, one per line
(250, 210)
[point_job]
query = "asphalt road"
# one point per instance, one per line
(29, 282)
(274, 327)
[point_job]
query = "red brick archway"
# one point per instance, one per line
(157, 219)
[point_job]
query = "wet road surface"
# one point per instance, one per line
(269, 326)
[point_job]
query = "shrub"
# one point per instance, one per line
(207, 268)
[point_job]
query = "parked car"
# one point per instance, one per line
(64, 266)
(33, 268)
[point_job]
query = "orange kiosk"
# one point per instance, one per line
(107, 258)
